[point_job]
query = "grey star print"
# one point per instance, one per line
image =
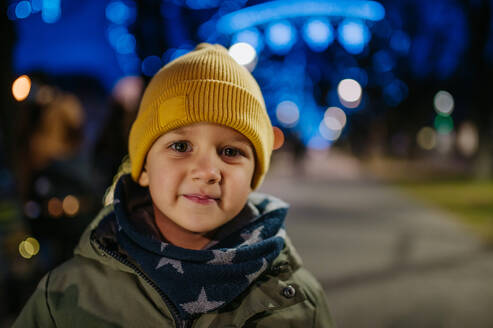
(251, 238)
(222, 257)
(163, 246)
(201, 305)
(174, 263)
(281, 233)
(252, 276)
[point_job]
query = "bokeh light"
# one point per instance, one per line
(114, 33)
(467, 139)
(280, 37)
(243, 53)
(45, 95)
(318, 34)
(335, 113)
(383, 61)
(71, 205)
(29, 247)
(128, 91)
(400, 42)
(42, 186)
(23, 251)
(349, 92)
(444, 124)
(151, 65)
(34, 245)
(426, 138)
(251, 36)
(331, 132)
(21, 87)
(23, 9)
(395, 92)
(445, 143)
(353, 35)
(37, 5)
(55, 207)
(318, 143)
(287, 113)
(117, 12)
(32, 209)
(126, 44)
(51, 11)
(443, 102)
(333, 123)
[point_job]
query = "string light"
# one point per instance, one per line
(71, 205)
(29, 247)
(55, 207)
(21, 87)
(350, 93)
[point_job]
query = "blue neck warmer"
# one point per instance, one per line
(200, 281)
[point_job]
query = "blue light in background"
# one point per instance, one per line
(151, 65)
(37, 5)
(400, 42)
(355, 73)
(174, 53)
(115, 32)
(130, 64)
(251, 36)
(318, 34)
(76, 44)
(117, 12)
(383, 61)
(277, 10)
(51, 11)
(318, 143)
(353, 35)
(126, 44)
(280, 37)
(395, 92)
(202, 4)
(23, 9)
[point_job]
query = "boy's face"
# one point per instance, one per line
(199, 176)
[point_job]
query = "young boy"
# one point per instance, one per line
(185, 243)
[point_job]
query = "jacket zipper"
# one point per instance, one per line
(174, 312)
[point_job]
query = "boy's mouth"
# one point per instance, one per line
(201, 199)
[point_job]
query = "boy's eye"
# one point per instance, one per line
(231, 152)
(180, 146)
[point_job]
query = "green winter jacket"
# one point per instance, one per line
(95, 289)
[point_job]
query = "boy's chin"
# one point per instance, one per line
(199, 230)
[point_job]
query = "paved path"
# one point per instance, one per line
(384, 259)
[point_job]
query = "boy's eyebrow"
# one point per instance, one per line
(181, 132)
(184, 132)
(241, 139)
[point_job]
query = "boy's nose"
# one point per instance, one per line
(206, 171)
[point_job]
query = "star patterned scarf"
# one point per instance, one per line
(200, 281)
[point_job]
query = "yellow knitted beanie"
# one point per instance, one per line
(205, 85)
